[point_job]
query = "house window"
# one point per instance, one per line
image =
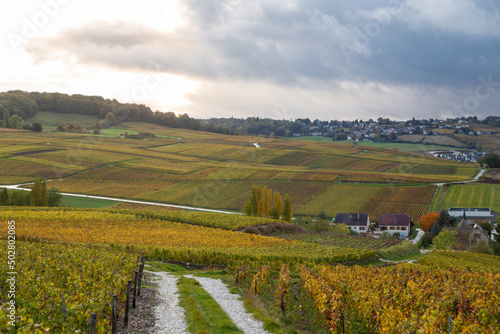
(384, 228)
(362, 228)
(403, 228)
(391, 228)
(397, 227)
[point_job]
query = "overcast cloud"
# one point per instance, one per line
(281, 59)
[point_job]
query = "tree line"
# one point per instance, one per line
(264, 202)
(38, 196)
(112, 112)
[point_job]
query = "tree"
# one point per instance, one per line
(267, 198)
(497, 236)
(277, 206)
(255, 198)
(16, 122)
(445, 219)
(54, 197)
(39, 195)
(19, 198)
(110, 119)
(4, 196)
(261, 207)
(446, 239)
(436, 228)
(287, 209)
(248, 209)
(6, 116)
(426, 239)
(428, 220)
(491, 160)
(37, 127)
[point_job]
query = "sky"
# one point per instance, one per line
(321, 59)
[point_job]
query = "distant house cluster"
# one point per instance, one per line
(457, 155)
(468, 230)
(391, 223)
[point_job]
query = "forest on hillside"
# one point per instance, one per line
(112, 112)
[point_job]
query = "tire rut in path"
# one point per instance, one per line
(169, 315)
(231, 305)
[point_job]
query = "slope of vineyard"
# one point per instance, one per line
(166, 240)
(210, 170)
(340, 240)
(405, 298)
(462, 260)
(58, 286)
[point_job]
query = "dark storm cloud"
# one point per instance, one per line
(422, 44)
(399, 42)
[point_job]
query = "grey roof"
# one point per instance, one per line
(352, 219)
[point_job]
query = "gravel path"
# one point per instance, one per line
(169, 315)
(231, 305)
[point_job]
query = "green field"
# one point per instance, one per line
(472, 195)
(50, 120)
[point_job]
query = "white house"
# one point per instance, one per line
(359, 222)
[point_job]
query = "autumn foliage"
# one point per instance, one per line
(428, 220)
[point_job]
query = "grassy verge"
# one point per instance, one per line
(168, 267)
(203, 313)
(84, 202)
(397, 252)
(436, 199)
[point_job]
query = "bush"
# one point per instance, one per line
(426, 240)
(37, 127)
(496, 248)
(352, 232)
(481, 247)
(445, 240)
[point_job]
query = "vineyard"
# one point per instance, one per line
(166, 240)
(59, 286)
(339, 240)
(404, 298)
(217, 171)
(462, 260)
(71, 261)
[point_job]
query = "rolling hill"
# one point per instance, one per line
(210, 170)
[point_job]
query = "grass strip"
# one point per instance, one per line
(203, 313)
(399, 251)
(436, 199)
